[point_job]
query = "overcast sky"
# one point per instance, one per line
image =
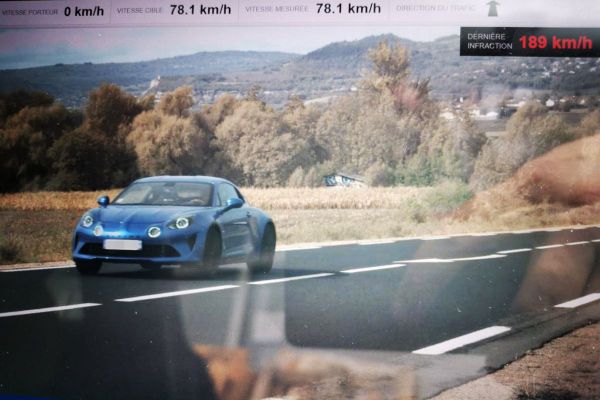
(21, 48)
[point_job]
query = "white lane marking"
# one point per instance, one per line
(550, 246)
(577, 243)
(426, 260)
(484, 234)
(299, 248)
(461, 341)
(596, 240)
(177, 293)
(36, 269)
(523, 250)
(451, 260)
(376, 242)
(369, 269)
(579, 301)
(48, 309)
(293, 278)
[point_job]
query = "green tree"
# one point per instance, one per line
(13, 102)
(24, 144)
(531, 132)
(83, 160)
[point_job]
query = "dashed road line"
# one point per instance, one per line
(578, 243)
(292, 278)
(523, 250)
(47, 309)
(369, 269)
(451, 260)
(550, 246)
(299, 248)
(462, 341)
(177, 293)
(579, 301)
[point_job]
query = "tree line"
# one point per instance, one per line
(389, 131)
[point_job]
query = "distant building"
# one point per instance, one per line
(344, 180)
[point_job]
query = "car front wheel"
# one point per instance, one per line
(212, 252)
(88, 267)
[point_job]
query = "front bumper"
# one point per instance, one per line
(172, 247)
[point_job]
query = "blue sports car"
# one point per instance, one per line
(190, 220)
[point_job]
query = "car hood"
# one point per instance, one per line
(144, 214)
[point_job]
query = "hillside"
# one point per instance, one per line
(561, 187)
(329, 70)
(71, 82)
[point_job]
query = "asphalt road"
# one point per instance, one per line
(450, 308)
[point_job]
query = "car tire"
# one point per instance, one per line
(213, 248)
(88, 267)
(267, 252)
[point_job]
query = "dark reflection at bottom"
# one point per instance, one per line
(110, 351)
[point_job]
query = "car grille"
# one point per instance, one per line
(149, 250)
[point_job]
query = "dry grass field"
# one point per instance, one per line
(36, 227)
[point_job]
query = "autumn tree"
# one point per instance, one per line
(252, 142)
(177, 102)
(215, 113)
(168, 144)
(108, 108)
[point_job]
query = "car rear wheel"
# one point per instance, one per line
(88, 267)
(267, 252)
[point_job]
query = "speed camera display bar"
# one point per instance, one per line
(23, 14)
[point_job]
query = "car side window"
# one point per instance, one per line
(225, 193)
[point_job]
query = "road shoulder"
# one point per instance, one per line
(567, 367)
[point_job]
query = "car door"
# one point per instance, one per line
(235, 224)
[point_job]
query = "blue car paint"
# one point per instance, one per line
(242, 227)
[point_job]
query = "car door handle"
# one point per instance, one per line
(248, 214)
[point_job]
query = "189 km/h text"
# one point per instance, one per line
(542, 42)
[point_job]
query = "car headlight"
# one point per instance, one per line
(98, 230)
(180, 223)
(154, 232)
(87, 221)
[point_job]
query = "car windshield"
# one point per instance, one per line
(166, 194)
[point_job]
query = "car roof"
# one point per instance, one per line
(179, 178)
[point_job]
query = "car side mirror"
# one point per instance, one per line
(233, 202)
(103, 201)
